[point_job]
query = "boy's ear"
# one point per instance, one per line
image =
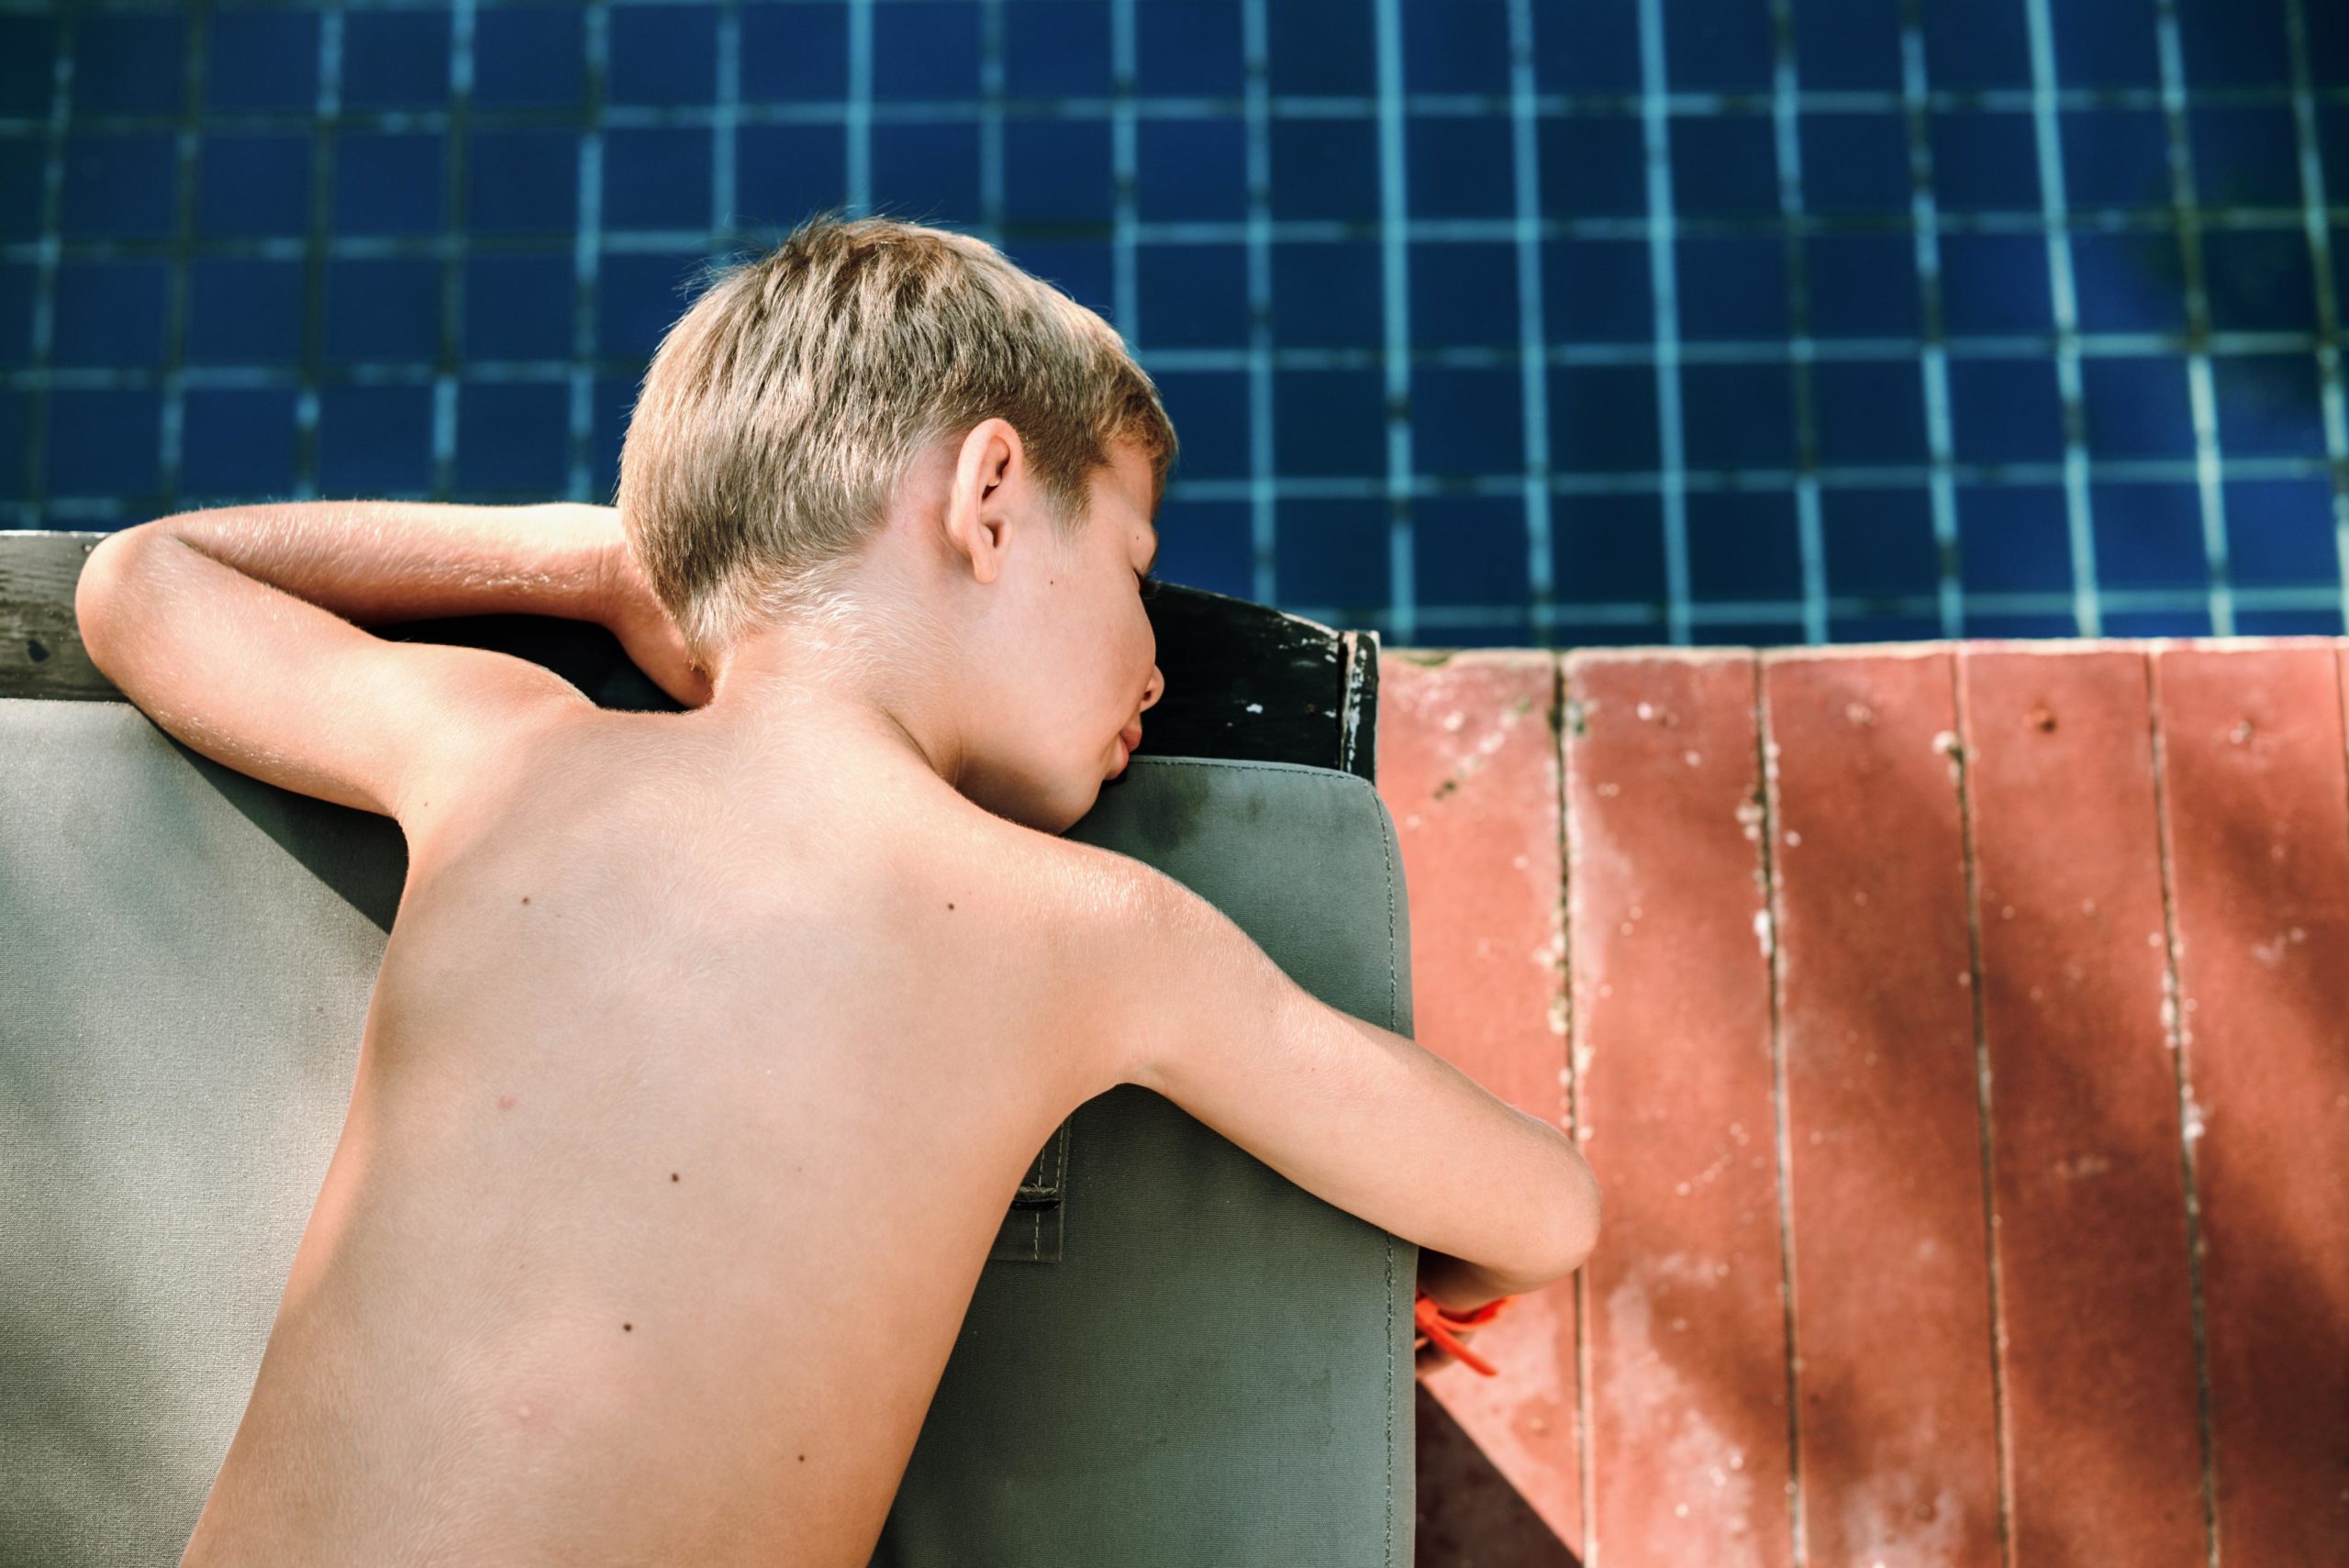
(989, 464)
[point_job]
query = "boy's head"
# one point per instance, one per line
(891, 434)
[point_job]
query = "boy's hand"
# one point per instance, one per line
(646, 629)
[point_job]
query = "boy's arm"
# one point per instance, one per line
(233, 629)
(1362, 1116)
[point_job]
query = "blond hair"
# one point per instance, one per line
(783, 409)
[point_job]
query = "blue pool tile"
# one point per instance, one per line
(2004, 410)
(521, 181)
(1085, 269)
(1990, 625)
(1869, 411)
(1188, 47)
(1192, 297)
(1325, 296)
(1607, 549)
(2115, 158)
(1056, 48)
(1455, 46)
(1878, 542)
(2234, 43)
(794, 53)
(111, 312)
(1467, 420)
(1855, 163)
(663, 54)
(1464, 166)
(1334, 554)
(1057, 171)
(2149, 536)
(1325, 169)
(2128, 282)
(17, 284)
(655, 177)
(1724, 165)
(2158, 623)
(1464, 292)
(382, 308)
(1732, 286)
(1995, 284)
(610, 402)
(1716, 45)
(2289, 623)
(119, 186)
(1847, 44)
(1592, 166)
(1603, 418)
(130, 62)
(783, 172)
(1863, 285)
(1570, 633)
(1207, 544)
(519, 306)
(1883, 629)
(388, 182)
(2105, 46)
(1742, 545)
(237, 444)
(262, 61)
(2328, 35)
(1468, 549)
(28, 65)
(513, 436)
(1210, 412)
(1985, 161)
(928, 173)
(253, 185)
(244, 311)
(638, 295)
(1737, 415)
(2259, 280)
(106, 441)
(2245, 155)
(2013, 538)
(1977, 43)
(1321, 46)
(2269, 405)
(1191, 170)
(1595, 48)
(528, 56)
(1598, 291)
(1515, 630)
(2137, 406)
(2279, 532)
(926, 50)
(16, 419)
(1329, 423)
(395, 60)
(374, 440)
(21, 198)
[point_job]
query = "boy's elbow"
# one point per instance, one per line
(1576, 1210)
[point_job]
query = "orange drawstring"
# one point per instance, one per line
(1436, 1322)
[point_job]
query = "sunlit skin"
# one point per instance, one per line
(710, 1047)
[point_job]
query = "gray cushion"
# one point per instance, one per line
(1175, 1356)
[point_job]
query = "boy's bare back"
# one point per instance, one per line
(695, 1086)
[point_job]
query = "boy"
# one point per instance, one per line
(709, 1048)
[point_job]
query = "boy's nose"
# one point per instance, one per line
(1157, 685)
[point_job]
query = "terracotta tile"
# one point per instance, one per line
(2105, 1461)
(2251, 738)
(1671, 1024)
(1897, 1449)
(1468, 766)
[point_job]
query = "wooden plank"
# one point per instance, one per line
(1671, 1025)
(1467, 764)
(1896, 1441)
(2251, 737)
(2105, 1459)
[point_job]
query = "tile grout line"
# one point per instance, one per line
(2328, 304)
(856, 142)
(1773, 926)
(1532, 332)
(1565, 721)
(990, 122)
(40, 404)
(2055, 219)
(1656, 131)
(1961, 763)
(2185, 212)
(185, 139)
(311, 377)
(1924, 210)
(1125, 294)
(1394, 282)
(588, 245)
(463, 19)
(1262, 493)
(1809, 543)
(2180, 1039)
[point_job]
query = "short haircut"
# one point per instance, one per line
(783, 408)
